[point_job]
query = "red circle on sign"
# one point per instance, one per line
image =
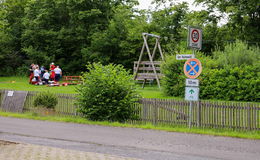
(195, 35)
(192, 68)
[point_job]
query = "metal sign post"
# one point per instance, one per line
(192, 69)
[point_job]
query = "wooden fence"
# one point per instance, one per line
(233, 115)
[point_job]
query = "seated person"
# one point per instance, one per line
(46, 77)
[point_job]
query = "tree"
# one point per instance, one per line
(243, 17)
(212, 33)
(121, 42)
(11, 27)
(168, 23)
(59, 30)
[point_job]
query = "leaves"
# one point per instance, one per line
(107, 93)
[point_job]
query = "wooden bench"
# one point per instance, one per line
(72, 80)
(145, 71)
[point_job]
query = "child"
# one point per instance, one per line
(37, 73)
(46, 77)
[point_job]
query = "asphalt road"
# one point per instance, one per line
(128, 142)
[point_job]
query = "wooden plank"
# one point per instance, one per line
(147, 69)
(148, 62)
(155, 47)
(140, 57)
(248, 117)
(13, 101)
(160, 50)
(152, 63)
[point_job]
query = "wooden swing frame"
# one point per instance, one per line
(153, 65)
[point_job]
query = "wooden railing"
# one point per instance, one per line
(208, 114)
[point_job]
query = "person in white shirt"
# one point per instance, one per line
(46, 77)
(58, 73)
(37, 73)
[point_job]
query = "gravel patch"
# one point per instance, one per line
(15, 151)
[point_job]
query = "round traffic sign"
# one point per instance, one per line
(192, 68)
(195, 35)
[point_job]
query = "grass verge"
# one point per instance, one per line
(205, 131)
(22, 84)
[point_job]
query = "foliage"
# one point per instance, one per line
(71, 33)
(120, 43)
(173, 80)
(237, 54)
(243, 17)
(46, 99)
(22, 71)
(168, 23)
(11, 56)
(212, 34)
(232, 83)
(107, 93)
(233, 75)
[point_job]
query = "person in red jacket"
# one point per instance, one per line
(32, 68)
(52, 67)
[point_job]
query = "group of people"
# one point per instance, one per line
(40, 75)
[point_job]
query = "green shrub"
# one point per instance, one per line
(46, 100)
(217, 81)
(239, 83)
(173, 81)
(22, 71)
(107, 93)
(232, 83)
(237, 54)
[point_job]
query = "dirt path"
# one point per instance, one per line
(15, 151)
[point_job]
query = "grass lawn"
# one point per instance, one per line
(207, 131)
(22, 84)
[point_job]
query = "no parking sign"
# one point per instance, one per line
(192, 68)
(194, 38)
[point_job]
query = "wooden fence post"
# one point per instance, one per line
(155, 113)
(248, 116)
(198, 113)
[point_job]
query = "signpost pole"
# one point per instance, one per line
(191, 107)
(190, 116)
(192, 69)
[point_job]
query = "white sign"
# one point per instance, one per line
(192, 82)
(10, 93)
(184, 56)
(192, 93)
(194, 37)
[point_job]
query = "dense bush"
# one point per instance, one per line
(222, 78)
(174, 79)
(232, 83)
(46, 99)
(107, 93)
(22, 71)
(237, 54)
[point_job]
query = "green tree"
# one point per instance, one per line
(243, 17)
(121, 42)
(11, 56)
(212, 34)
(168, 23)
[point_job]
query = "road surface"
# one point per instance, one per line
(128, 142)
